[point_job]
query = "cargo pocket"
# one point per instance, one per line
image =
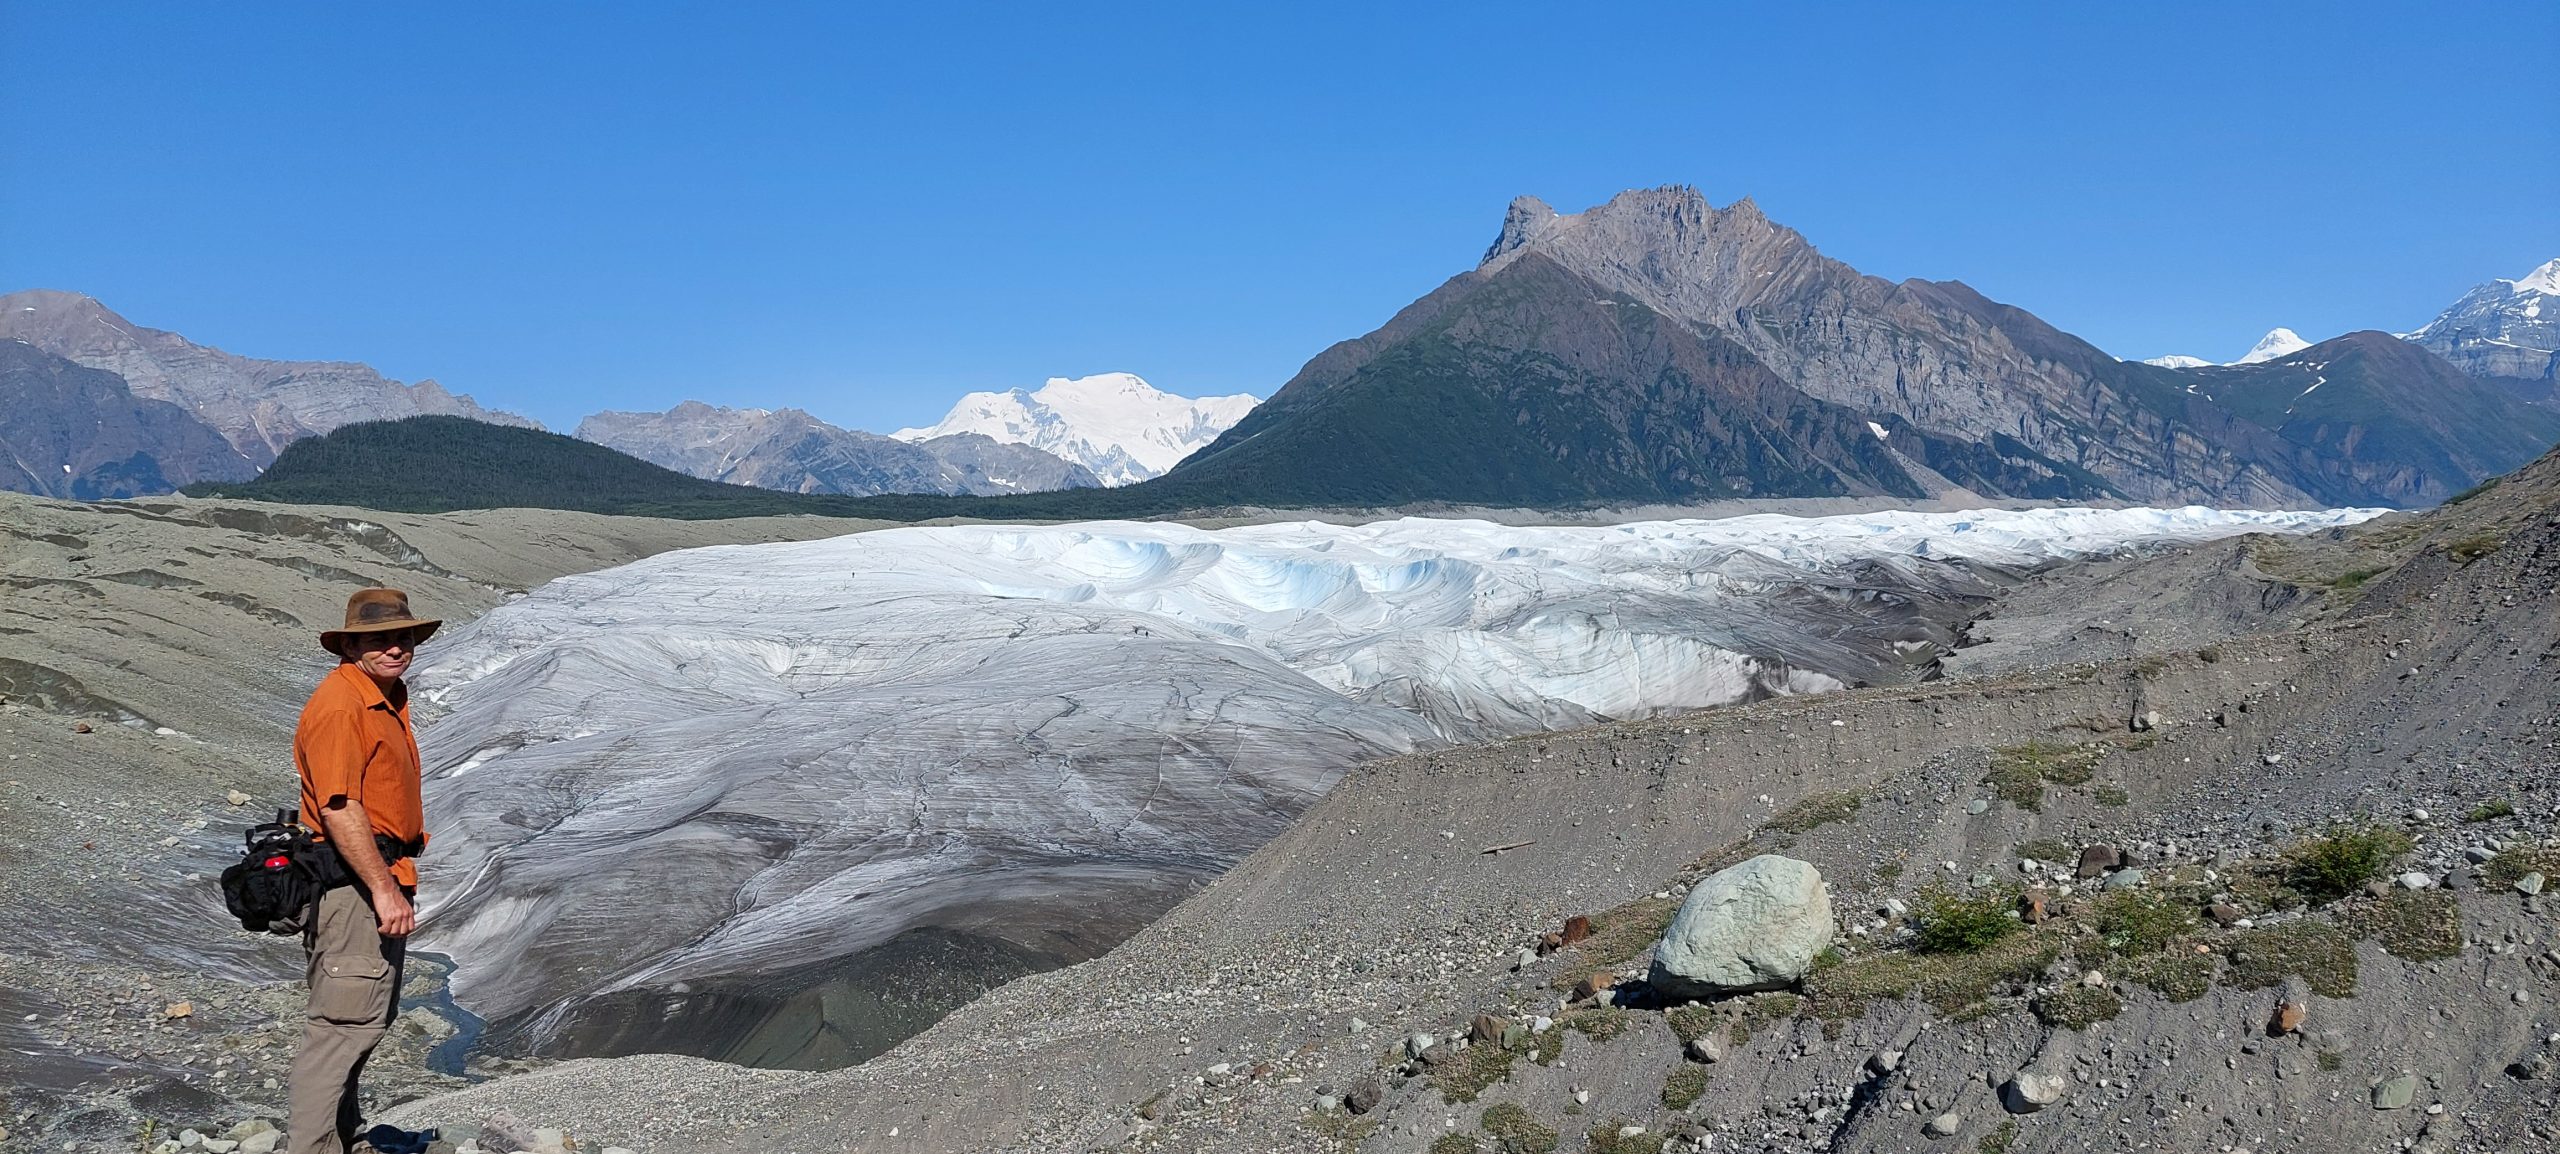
(352, 991)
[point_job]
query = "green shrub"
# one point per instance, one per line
(1950, 924)
(1453, 1144)
(1605, 1140)
(2490, 810)
(2332, 867)
(1816, 811)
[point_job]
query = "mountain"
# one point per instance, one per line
(790, 450)
(1115, 424)
(259, 406)
(2505, 331)
(1655, 347)
(2278, 342)
(2370, 413)
(77, 432)
(439, 463)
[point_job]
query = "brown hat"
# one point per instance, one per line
(377, 611)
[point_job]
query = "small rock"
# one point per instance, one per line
(1630, 1130)
(1944, 1125)
(1582, 1097)
(2029, 1092)
(2413, 880)
(2288, 1018)
(2125, 879)
(81, 727)
(1526, 959)
(504, 1133)
(2477, 854)
(179, 1010)
(2529, 885)
(2098, 859)
(2377, 888)
(2094, 980)
(1488, 1028)
(1541, 1024)
(1705, 1048)
(220, 1145)
(1893, 908)
(1978, 806)
(1885, 1061)
(189, 1139)
(264, 1142)
(2417, 814)
(2530, 1068)
(1416, 1045)
(1358, 1025)
(236, 798)
(1364, 1096)
(2395, 1094)
(2224, 914)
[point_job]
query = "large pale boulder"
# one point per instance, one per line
(1756, 926)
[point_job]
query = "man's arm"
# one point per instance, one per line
(352, 833)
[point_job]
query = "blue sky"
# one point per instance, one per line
(865, 210)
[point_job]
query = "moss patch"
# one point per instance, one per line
(2177, 975)
(1515, 1132)
(2076, 1007)
(2315, 951)
(1462, 1077)
(1605, 1140)
(2110, 795)
(2510, 866)
(1738, 1018)
(1684, 1085)
(2048, 849)
(1999, 1141)
(1816, 811)
(2418, 925)
(2470, 549)
(2019, 772)
(2134, 923)
(1453, 1144)
(1955, 983)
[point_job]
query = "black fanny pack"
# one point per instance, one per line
(283, 870)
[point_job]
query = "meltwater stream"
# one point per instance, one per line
(789, 803)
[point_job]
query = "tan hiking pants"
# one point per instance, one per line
(355, 992)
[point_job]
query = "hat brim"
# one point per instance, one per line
(329, 640)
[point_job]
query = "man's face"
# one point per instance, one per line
(383, 656)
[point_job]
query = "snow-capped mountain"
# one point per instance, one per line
(2505, 330)
(2278, 343)
(798, 453)
(1115, 424)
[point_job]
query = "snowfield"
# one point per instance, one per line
(1047, 734)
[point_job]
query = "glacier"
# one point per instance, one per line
(731, 764)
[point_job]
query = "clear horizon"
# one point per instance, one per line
(564, 210)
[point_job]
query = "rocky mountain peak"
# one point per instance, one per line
(1526, 220)
(2544, 280)
(2279, 342)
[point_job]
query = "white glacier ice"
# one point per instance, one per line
(744, 759)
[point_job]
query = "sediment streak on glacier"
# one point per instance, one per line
(741, 759)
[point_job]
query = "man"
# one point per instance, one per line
(359, 765)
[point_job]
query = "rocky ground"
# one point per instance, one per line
(153, 656)
(2176, 980)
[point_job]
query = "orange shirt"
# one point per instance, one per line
(353, 743)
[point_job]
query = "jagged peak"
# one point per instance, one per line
(1526, 219)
